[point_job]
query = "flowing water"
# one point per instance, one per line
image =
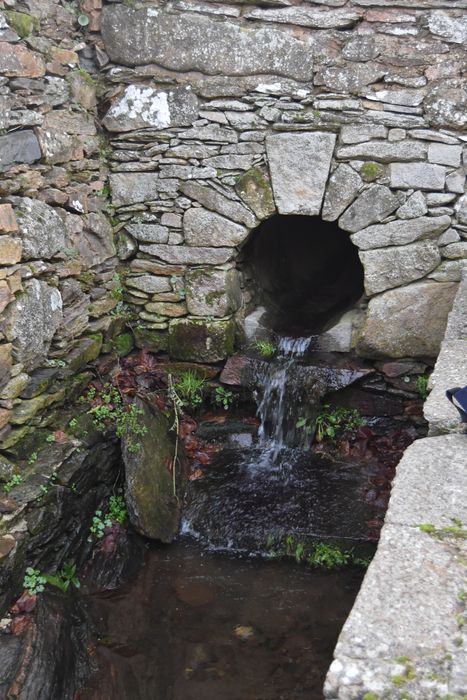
(206, 620)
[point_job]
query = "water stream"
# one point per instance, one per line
(214, 616)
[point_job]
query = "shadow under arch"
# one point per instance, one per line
(305, 271)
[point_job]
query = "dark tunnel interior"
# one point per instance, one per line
(306, 272)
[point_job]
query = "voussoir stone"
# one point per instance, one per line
(41, 228)
(141, 106)
(407, 322)
(31, 322)
(343, 186)
(374, 204)
(385, 151)
(187, 42)
(213, 200)
(299, 164)
(392, 267)
(254, 188)
(189, 255)
(206, 228)
(422, 176)
(400, 233)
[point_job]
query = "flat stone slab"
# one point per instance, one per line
(404, 632)
(187, 42)
(299, 165)
(140, 107)
(450, 371)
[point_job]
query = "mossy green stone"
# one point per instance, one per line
(22, 23)
(255, 190)
(122, 344)
(371, 171)
(150, 339)
(85, 351)
(201, 341)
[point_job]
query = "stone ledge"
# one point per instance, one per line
(404, 631)
(450, 371)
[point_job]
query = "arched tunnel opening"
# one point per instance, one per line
(305, 272)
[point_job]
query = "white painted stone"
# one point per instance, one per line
(299, 164)
(423, 176)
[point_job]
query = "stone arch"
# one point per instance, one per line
(304, 271)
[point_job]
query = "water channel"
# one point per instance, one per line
(221, 613)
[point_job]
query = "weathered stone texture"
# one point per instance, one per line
(392, 267)
(374, 204)
(141, 107)
(212, 292)
(299, 165)
(423, 176)
(19, 147)
(41, 229)
(31, 321)
(400, 233)
(342, 188)
(407, 322)
(196, 42)
(205, 228)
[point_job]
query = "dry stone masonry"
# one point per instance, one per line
(142, 143)
(222, 114)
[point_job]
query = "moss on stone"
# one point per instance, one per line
(23, 24)
(371, 171)
(201, 341)
(255, 190)
(151, 339)
(122, 344)
(85, 351)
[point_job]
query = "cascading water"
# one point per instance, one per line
(277, 486)
(281, 398)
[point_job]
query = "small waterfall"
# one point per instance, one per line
(282, 397)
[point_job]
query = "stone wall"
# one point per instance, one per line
(57, 254)
(222, 114)
(156, 136)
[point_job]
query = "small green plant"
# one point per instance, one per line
(116, 513)
(329, 556)
(422, 386)
(266, 348)
(98, 525)
(305, 424)
(371, 171)
(50, 438)
(299, 552)
(11, 483)
(55, 363)
(32, 458)
(332, 421)
(117, 509)
(64, 578)
(190, 388)
(34, 581)
(457, 530)
(223, 397)
(370, 696)
(113, 412)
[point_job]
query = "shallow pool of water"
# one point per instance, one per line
(196, 625)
